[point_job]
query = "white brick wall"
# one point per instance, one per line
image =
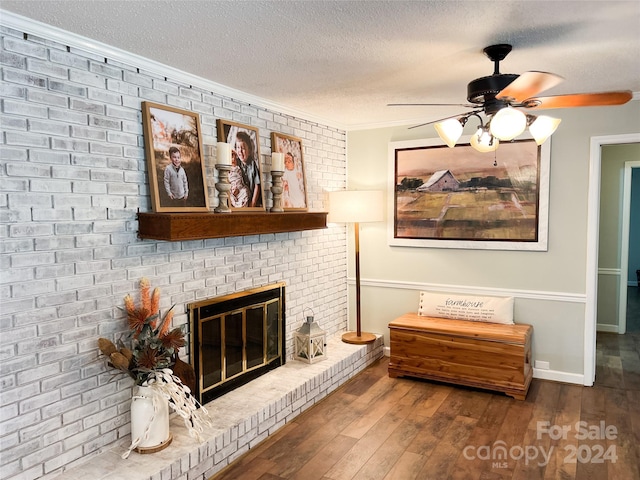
(73, 176)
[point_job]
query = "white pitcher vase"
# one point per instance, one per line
(149, 418)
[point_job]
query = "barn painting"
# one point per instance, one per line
(461, 195)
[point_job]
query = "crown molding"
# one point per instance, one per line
(33, 27)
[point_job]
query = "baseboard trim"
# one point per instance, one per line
(556, 376)
(603, 327)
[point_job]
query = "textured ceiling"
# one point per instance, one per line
(343, 61)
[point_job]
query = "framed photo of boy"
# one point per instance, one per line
(173, 147)
(245, 176)
(294, 185)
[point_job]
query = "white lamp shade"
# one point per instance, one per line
(449, 131)
(348, 206)
(508, 123)
(543, 127)
(481, 141)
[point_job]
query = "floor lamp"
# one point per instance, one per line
(356, 206)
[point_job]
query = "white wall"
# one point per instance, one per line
(550, 287)
(73, 176)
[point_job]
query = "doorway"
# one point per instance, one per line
(631, 215)
(628, 319)
(593, 222)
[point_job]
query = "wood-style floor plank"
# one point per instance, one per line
(379, 428)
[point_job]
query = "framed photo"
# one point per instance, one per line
(173, 147)
(294, 185)
(459, 198)
(246, 173)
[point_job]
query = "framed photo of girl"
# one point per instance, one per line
(294, 185)
(173, 147)
(245, 176)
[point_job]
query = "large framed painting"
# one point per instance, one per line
(245, 176)
(294, 184)
(173, 147)
(459, 198)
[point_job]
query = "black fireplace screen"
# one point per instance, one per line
(236, 338)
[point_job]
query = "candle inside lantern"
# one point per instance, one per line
(224, 154)
(277, 161)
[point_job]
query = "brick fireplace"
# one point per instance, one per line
(75, 180)
(241, 418)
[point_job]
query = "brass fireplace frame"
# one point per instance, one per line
(214, 314)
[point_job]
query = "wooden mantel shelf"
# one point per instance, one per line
(175, 227)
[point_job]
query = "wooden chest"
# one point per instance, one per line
(483, 355)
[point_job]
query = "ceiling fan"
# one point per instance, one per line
(501, 95)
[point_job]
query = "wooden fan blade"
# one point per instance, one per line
(580, 100)
(466, 105)
(527, 85)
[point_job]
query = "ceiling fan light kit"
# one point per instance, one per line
(483, 141)
(542, 127)
(501, 96)
(449, 130)
(508, 123)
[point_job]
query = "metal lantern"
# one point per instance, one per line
(310, 342)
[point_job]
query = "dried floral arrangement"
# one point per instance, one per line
(152, 356)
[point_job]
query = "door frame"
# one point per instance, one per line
(624, 247)
(593, 224)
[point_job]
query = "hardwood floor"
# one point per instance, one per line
(376, 427)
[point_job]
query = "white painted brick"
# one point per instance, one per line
(14, 107)
(67, 88)
(87, 78)
(104, 96)
(68, 116)
(69, 145)
(98, 172)
(105, 70)
(12, 91)
(23, 78)
(138, 79)
(47, 68)
(121, 87)
(88, 133)
(68, 59)
(123, 113)
(24, 47)
(12, 60)
(124, 138)
(48, 127)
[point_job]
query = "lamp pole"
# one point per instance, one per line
(358, 337)
(356, 228)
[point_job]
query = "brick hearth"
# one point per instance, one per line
(241, 419)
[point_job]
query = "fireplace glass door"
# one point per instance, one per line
(237, 338)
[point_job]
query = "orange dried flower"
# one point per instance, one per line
(155, 301)
(153, 345)
(128, 304)
(174, 339)
(167, 323)
(145, 299)
(137, 320)
(149, 358)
